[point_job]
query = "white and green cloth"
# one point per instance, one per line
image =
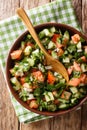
(60, 11)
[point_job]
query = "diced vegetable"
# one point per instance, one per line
(41, 67)
(24, 95)
(63, 106)
(33, 104)
(54, 38)
(73, 90)
(66, 95)
(65, 38)
(84, 67)
(74, 82)
(51, 45)
(60, 52)
(63, 100)
(31, 61)
(48, 96)
(45, 32)
(51, 107)
(51, 78)
(79, 46)
(28, 87)
(76, 66)
(66, 60)
(27, 50)
(16, 54)
(38, 76)
(54, 54)
(75, 38)
(52, 29)
(15, 82)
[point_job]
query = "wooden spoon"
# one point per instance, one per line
(56, 65)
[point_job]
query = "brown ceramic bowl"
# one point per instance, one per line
(9, 65)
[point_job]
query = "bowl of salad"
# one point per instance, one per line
(34, 84)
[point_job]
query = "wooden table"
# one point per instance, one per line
(76, 120)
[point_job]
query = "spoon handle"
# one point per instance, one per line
(56, 65)
(22, 14)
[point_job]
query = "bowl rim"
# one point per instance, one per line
(16, 96)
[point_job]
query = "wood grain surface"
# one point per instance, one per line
(76, 120)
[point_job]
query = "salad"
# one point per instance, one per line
(36, 83)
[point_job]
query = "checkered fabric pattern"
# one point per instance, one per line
(60, 11)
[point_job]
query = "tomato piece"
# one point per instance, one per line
(83, 58)
(76, 66)
(70, 69)
(22, 80)
(74, 82)
(54, 93)
(54, 39)
(83, 78)
(38, 76)
(55, 36)
(16, 54)
(59, 45)
(50, 78)
(60, 52)
(30, 44)
(33, 104)
(75, 38)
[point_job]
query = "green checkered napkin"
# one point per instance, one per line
(60, 11)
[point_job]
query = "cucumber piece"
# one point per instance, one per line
(66, 35)
(51, 45)
(19, 72)
(52, 29)
(36, 53)
(24, 95)
(51, 107)
(63, 100)
(77, 95)
(48, 96)
(27, 50)
(63, 106)
(41, 67)
(73, 90)
(79, 45)
(72, 48)
(84, 67)
(62, 80)
(31, 61)
(16, 83)
(54, 54)
(79, 50)
(74, 101)
(12, 71)
(45, 32)
(66, 60)
(22, 45)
